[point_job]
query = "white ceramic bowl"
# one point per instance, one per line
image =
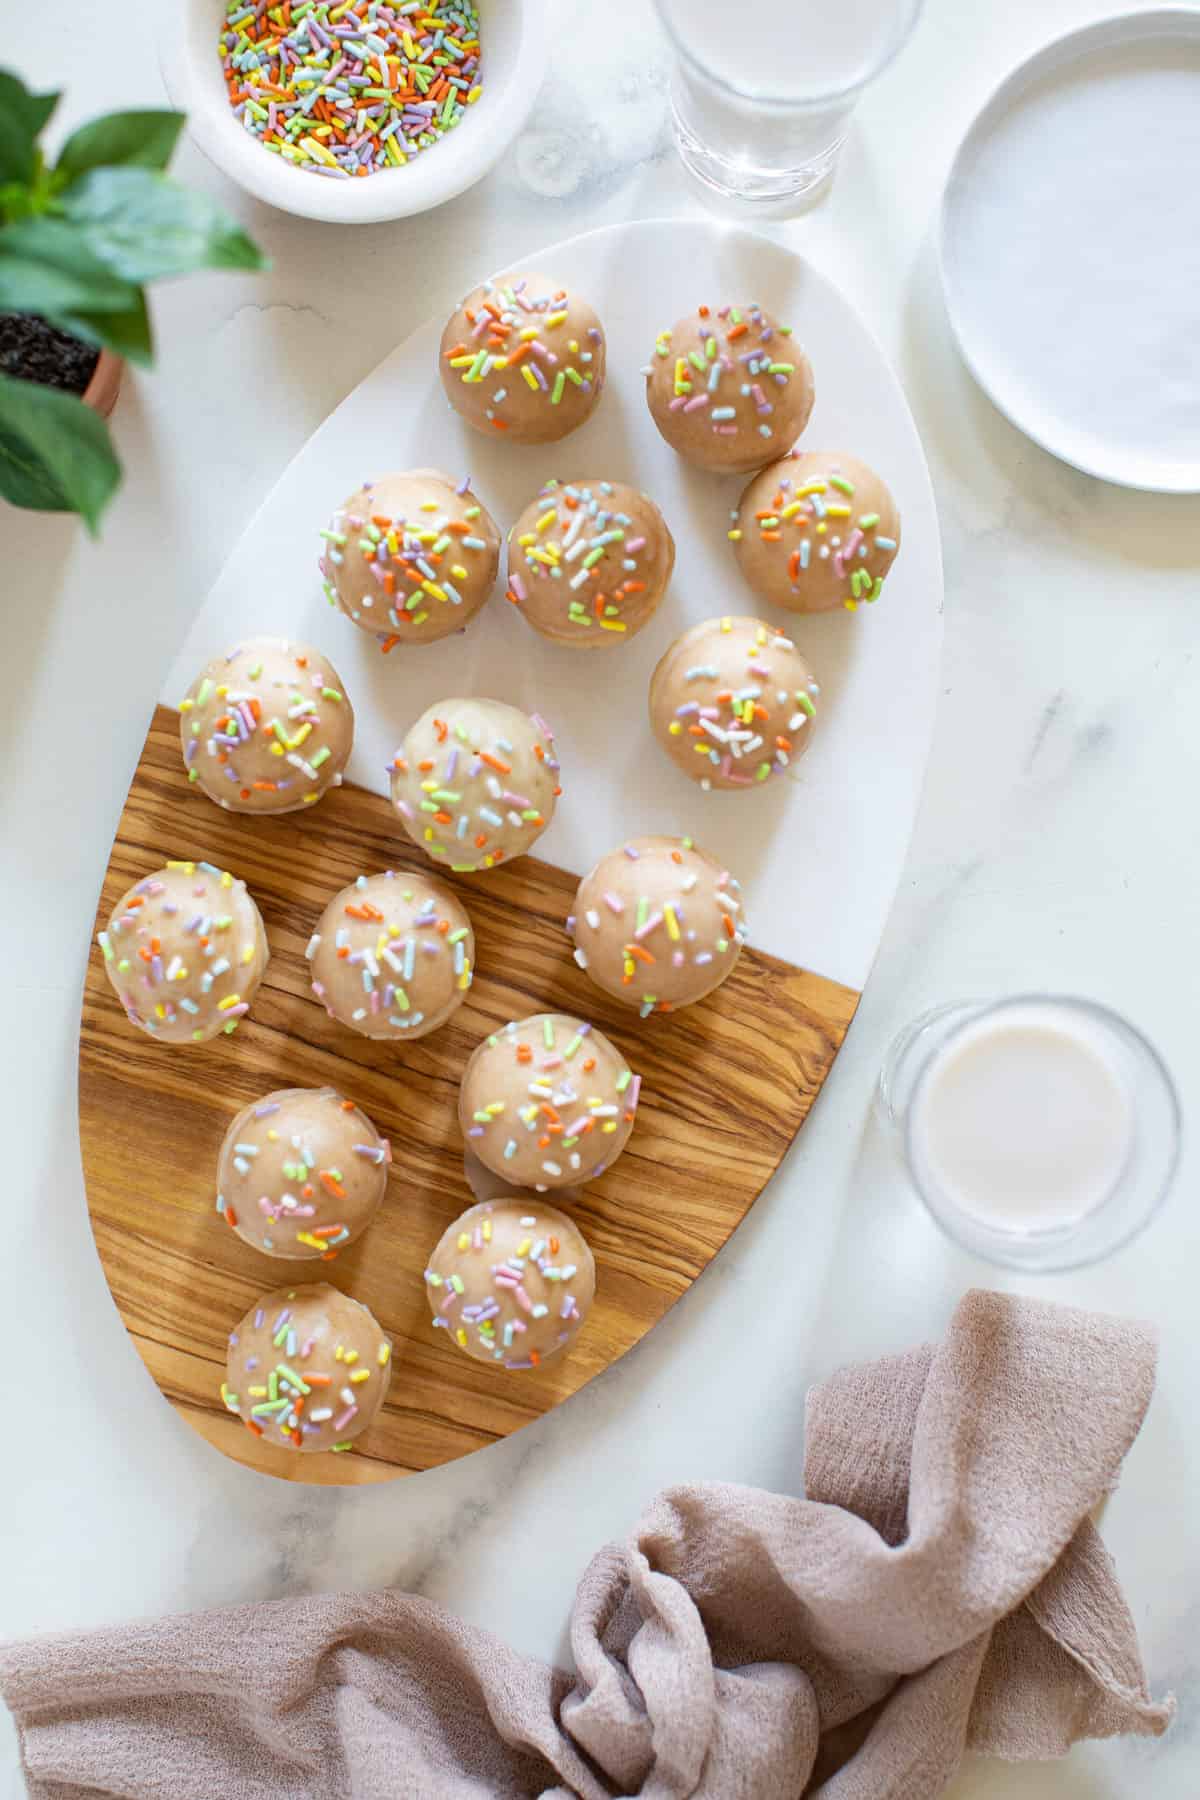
(514, 52)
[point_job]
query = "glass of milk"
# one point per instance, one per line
(1040, 1131)
(761, 100)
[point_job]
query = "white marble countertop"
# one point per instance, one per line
(1056, 847)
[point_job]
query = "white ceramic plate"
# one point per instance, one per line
(514, 47)
(1070, 246)
(819, 856)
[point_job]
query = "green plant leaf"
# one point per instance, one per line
(46, 269)
(128, 333)
(125, 139)
(143, 227)
(22, 116)
(55, 452)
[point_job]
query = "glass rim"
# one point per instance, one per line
(1002, 1245)
(906, 25)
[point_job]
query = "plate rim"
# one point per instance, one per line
(1059, 53)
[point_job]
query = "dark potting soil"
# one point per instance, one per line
(34, 351)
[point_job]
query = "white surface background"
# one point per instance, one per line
(1056, 845)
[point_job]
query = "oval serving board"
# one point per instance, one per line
(726, 1084)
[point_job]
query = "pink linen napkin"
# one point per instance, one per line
(941, 1588)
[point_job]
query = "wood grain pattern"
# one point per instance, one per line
(726, 1085)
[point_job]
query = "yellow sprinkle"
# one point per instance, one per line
(556, 318)
(385, 1354)
(672, 922)
(189, 868)
(248, 953)
(735, 536)
(350, 1356)
(318, 152)
(529, 375)
(544, 523)
(464, 1240)
(361, 1375)
(487, 1231)
(524, 1247)
(230, 1000)
(429, 506)
(460, 1338)
(527, 336)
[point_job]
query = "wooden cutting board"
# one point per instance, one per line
(725, 1087)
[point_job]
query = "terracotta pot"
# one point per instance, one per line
(102, 390)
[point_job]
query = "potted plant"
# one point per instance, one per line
(79, 241)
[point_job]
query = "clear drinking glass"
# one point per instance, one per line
(761, 103)
(1041, 1131)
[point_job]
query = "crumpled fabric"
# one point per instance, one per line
(940, 1588)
